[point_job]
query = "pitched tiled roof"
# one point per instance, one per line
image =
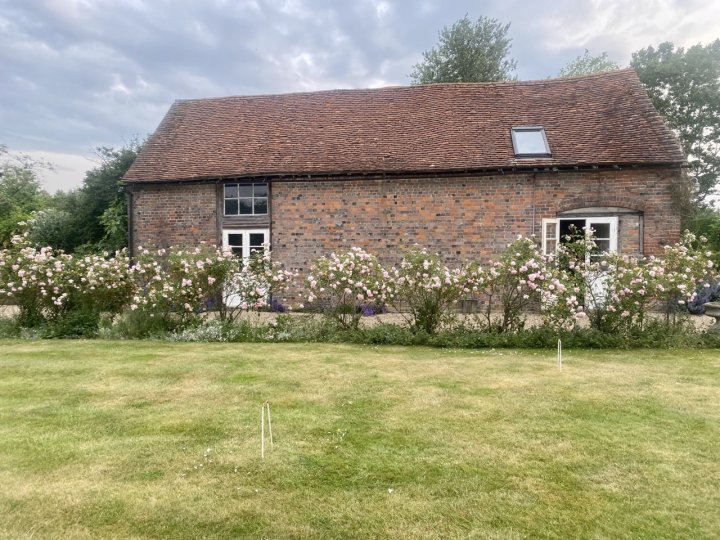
(599, 119)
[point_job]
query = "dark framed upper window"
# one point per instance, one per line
(246, 199)
(530, 142)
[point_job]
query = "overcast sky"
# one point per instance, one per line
(76, 74)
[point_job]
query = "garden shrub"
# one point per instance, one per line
(9, 328)
(313, 328)
(98, 284)
(221, 331)
(73, 324)
(48, 286)
(561, 298)
(32, 279)
(513, 282)
(169, 292)
(342, 282)
(305, 327)
(618, 292)
(709, 340)
(685, 267)
(390, 334)
(51, 227)
(285, 328)
(174, 286)
(142, 324)
(257, 284)
(430, 289)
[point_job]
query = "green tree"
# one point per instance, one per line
(468, 52)
(706, 222)
(588, 64)
(52, 227)
(684, 86)
(20, 191)
(98, 209)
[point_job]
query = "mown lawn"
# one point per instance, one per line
(145, 439)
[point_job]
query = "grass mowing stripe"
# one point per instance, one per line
(147, 439)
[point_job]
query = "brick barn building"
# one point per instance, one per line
(458, 168)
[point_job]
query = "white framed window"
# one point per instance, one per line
(605, 231)
(245, 199)
(550, 235)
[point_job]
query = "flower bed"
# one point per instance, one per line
(163, 290)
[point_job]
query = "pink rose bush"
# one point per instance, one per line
(342, 282)
(611, 292)
(685, 267)
(181, 284)
(429, 289)
(164, 284)
(513, 283)
(616, 292)
(46, 284)
(561, 298)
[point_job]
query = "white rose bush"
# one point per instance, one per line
(173, 287)
(430, 289)
(617, 292)
(341, 283)
(46, 285)
(252, 283)
(177, 285)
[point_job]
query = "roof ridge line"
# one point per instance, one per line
(531, 82)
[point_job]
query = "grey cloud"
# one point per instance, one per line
(76, 74)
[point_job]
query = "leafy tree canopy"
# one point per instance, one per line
(52, 227)
(20, 191)
(588, 64)
(468, 52)
(684, 86)
(95, 216)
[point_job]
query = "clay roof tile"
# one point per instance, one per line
(601, 119)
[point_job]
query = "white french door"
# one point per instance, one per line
(550, 236)
(243, 243)
(605, 235)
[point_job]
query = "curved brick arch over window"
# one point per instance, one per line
(599, 201)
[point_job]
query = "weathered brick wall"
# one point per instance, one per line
(174, 215)
(462, 218)
(630, 234)
(651, 192)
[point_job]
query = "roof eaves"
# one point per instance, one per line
(533, 165)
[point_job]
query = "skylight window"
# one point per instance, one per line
(530, 142)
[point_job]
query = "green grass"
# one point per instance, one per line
(145, 439)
